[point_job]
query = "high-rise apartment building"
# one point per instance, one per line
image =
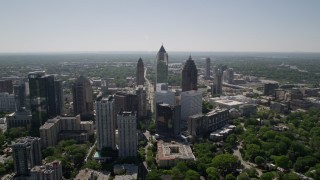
(26, 155)
(191, 104)
(82, 98)
(59, 97)
(128, 138)
(229, 76)
(162, 67)
(167, 97)
(208, 68)
(140, 73)
(42, 99)
(189, 76)
(105, 122)
(142, 101)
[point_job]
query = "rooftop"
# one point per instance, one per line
(174, 150)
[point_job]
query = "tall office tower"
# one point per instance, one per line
(269, 88)
(162, 68)
(218, 71)
(191, 104)
(208, 68)
(142, 101)
(127, 129)
(140, 72)
(189, 76)
(82, 98)
(168, 119)
(6, 86)
(229, 76)
(59, 97)
(26, 154)
(105, 120)
(42, 99)
(7, 102)
(19, 92)
(125, 101)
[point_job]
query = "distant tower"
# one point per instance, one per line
(82, 98)
(140, 72)
(217, 87)
(105, 119)
(162, 68)
(26, 154)
(19, 91)
(208, 68)
(59, 97)
(189, 76)
(230, 75)
(128, 138)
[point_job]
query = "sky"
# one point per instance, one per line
(143, 25)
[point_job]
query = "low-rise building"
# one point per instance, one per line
(19, 119)
(60, 128)
(200, 124)
(125, 171)
(170, 153)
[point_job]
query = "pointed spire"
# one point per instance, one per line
(162, 49)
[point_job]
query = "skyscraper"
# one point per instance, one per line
(140, 73)
(142, 101)
(105, 119)
(42, 99)
(26, 154)
(125, 101)
(20, 95)
(59, 97)
(82, 98)
(218, 72)
(208, 68)
(127, 129)
(189, 76)
(6, 86)
(162, 67)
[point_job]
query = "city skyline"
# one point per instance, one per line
(212, 26)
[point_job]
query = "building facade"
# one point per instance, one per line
(142, 101)
(6, 86)
(128, 138)
(105, 122)
(60, 128)
(125, 101)
(19, 92)
(48, 171)
(218, 74)
(82, 98)
(191, 104)
(140, 73)
(26, 155)
(42, 99)
(189, 76)
(7, 102)
(168, 119)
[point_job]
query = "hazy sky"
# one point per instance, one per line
(142, 25)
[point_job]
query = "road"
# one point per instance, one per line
(89, 152)
(150, 89)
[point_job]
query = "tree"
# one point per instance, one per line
(252, 172)
(290, 176)
(304, 163)
(251, 151)
(192, 175)
(225, 163)
(282, 161)
(154, 175)
(259, 160)
(243, 176)
(267, 176)
(92, 164)
(213, 173)
(230, 177)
